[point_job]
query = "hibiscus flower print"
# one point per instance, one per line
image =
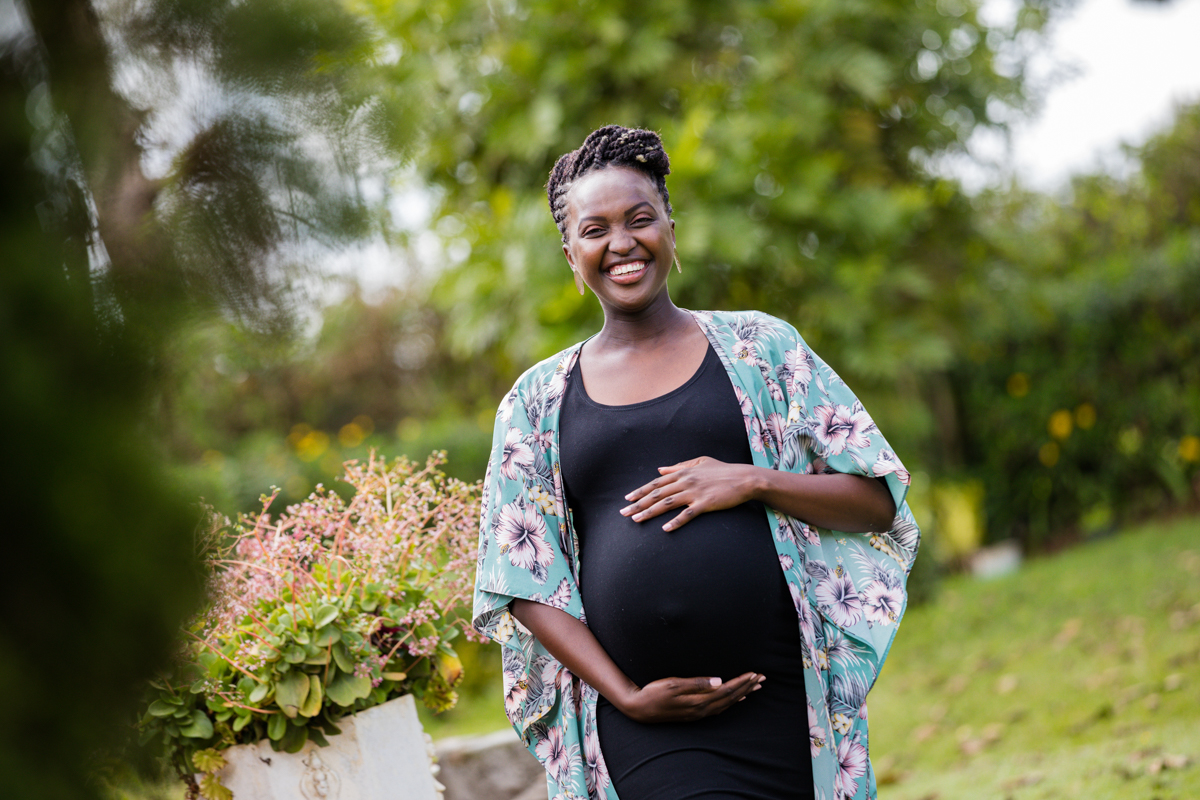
(517, 459)
(521, 534)
(760, 440)
(882, 603)
(743, 350)
(595, 772)
(552, 752)
(837, 598)
(557, 384)
(514, 699)
(552, 671)
(852, 765)
(796, 370)
(838, 427)
(797, 599)
(806, 532)
(505, 411)
(886, 463)
(816, 733)
(543, 440)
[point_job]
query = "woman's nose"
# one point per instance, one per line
(621, 241)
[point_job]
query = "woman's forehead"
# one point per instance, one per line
(612, 190)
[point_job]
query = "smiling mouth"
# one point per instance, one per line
(627, 269)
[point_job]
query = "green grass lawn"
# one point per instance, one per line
(1078, 676)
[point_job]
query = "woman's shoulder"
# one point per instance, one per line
(752, 326)
(550, 370)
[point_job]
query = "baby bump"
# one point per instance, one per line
(707, 599)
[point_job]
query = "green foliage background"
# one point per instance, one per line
(805, 140)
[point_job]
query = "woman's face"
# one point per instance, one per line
(619, 237)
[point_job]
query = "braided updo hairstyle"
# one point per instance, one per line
(610, 146)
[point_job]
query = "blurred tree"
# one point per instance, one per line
(264, 136)
(100, 545)
(1079, 384)
(802, 136)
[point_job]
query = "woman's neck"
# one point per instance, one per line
(660, 320)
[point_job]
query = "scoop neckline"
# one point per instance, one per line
(577, 377)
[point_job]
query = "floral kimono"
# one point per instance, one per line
(848, 589)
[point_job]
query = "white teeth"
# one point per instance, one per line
(626, 269)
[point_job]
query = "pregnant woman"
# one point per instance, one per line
(694, 540)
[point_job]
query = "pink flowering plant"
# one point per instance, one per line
(329, 608)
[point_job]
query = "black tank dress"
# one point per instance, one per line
(708, 599)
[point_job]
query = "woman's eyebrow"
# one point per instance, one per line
(628, 212)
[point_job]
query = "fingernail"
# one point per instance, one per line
(626, 510)
(715, 682)
(757, 686)
(629, 496)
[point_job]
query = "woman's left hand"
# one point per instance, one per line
(700, 485)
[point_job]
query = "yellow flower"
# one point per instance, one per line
(1060, 424)
(1018, 384)
(1189, 448)
(841, 724)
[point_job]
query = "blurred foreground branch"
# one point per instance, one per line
(158, 161)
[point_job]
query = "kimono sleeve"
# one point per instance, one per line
(858, 580)
(824, 410)
(525, 553)
(523, 547)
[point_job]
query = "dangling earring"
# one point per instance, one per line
(578, 281)
(675, 255)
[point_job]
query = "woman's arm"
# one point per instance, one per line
(666, 700)
(840, 502)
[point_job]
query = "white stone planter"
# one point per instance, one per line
(381, 754)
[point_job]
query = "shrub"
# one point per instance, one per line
(330, 608)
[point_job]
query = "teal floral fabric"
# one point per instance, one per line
(848, 589)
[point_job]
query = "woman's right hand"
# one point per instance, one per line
(686, 699)
(665, 700)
